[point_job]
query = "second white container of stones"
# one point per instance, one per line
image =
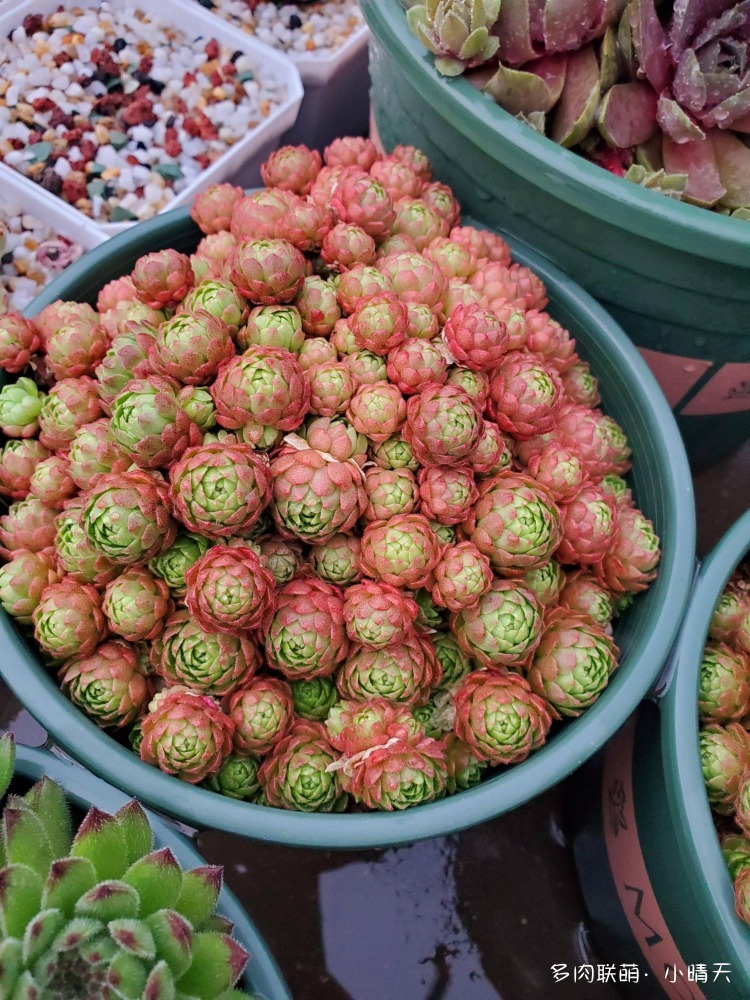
(127, 108)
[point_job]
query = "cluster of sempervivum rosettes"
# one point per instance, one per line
(97, 912)
(337, 469)
(724, 710)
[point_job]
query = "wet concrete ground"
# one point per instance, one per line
(479, 916)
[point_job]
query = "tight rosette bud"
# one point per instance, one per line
(331, 388)
(415, 279)
(503, 628)
(107, 684)
(29, 525)
(136, 604)
(346, 245)
(237, 778)
(483, 243)
(588, 523)
(725, 756)
(465, 769)
(52, 482)
(454, 663)
(742, 804)
(573, 662)
(262, 713)
(220, 489)
(377, 614)
(126, 359)
(265, 386)
(19, 339)
(23, 580)
(21, 404)
(597, 437)
(500, 717)
(476, 338)
(398, 179)
(402, 551)
(395, 453)
(315, 698)
(491, 454)
(354, 726)
(127, 517)
(525, 395)
(163, 279)
(447, 494)
(337, 560)
(724, 684)
(314, 498)
(93, 453)
(273, 326)
(442, 425)
(583, 593)
(377, 411)
(415, 364)
(173, 564)
(546, 582)
(730, 610)
(559, 469)
(306, 635)
(292, 168)
(318, 306)
(742, 895)
(462, 576)
(221, 300)
(453, 259)
(212, 208)
(18, 460)
(389, 492)
(515, 523)
(404, 672)
(379, 323)
(187, 735)
(149, 423)
(630, 562)
(267, 271)
(419, 221)
(190, 346)
(70, 404)
(359, 283)
(550, 341)
(75, 555)
(351, 151)
(296, 775)
(212, 663)
(580, 385)
(397, 776)
(229, 590)
(364, 202)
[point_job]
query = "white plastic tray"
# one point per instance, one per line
(241, 162)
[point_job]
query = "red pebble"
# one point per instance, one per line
(34, 138)
(88, 150)
(188, 78)
(212, 49)
(104, 60)
(73, 191)
(145, 65)
(133, 160)
(191, 127)
(229, 69)
(140, 113)
(109, 104)
(203, 160)
(172, 147)
(43, 104)
(61, 58)
(58, 117)
(216, 79)
(17, 143)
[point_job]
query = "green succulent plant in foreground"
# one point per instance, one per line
(98, 913)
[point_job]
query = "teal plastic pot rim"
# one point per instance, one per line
(505, 791)
(680, 726)
(578, 182)
(85, 790)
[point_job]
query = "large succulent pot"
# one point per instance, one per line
(676, 277)
(663, 490)
(653, 875)
(83, 790)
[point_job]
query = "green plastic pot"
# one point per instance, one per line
(652, 871)
(83, 790)
(676, 277)
(661, 480)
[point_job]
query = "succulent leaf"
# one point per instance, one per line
(156, 879)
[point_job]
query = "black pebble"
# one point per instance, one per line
(295, 21)
(51, 181)
(7, 258)
(235, 56)
(156, 86)
(170, 121)
(207, 3)
(119, 44)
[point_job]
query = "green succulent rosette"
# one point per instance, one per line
(545, 581)
(313, 699)
(465, 769)
(135, 736)
(445, 533)
(273, 326)
(172, 565)
(454, 663)
(504, 627)
(430, 617)
(296, 775)
(127, 517)
(723, 685)
(220, 299)
(736, 850)
(573, 662)
(76, 555)
(23, 580)
(198, 403)
(136, 604)
(237, 778)
(725, 753)
(107, 684)
(20, 405)
(337, 560)
(395, 453)
(206, 662)
(728, 614)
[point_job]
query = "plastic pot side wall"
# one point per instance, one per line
(664, 490)
(675, 276)
(83, 789)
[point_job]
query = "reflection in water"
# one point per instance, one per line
(390, 928)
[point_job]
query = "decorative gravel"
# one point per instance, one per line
(299, 29)
(116, 111)
(34, 253)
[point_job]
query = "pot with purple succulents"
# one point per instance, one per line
(115, 901)
(265, 529)
(611, 136)
(667, 805)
